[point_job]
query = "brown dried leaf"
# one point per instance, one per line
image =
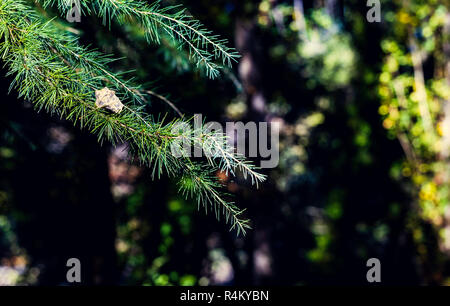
(106, 98)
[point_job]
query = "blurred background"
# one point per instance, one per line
(364, 156)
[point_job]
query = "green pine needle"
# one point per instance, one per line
(50, 69)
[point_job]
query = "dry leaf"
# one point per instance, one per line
(107, 98)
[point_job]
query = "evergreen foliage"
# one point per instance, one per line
(204, 47)
(50, 69)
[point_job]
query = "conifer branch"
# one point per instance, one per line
(50, 69)
(204, 47)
